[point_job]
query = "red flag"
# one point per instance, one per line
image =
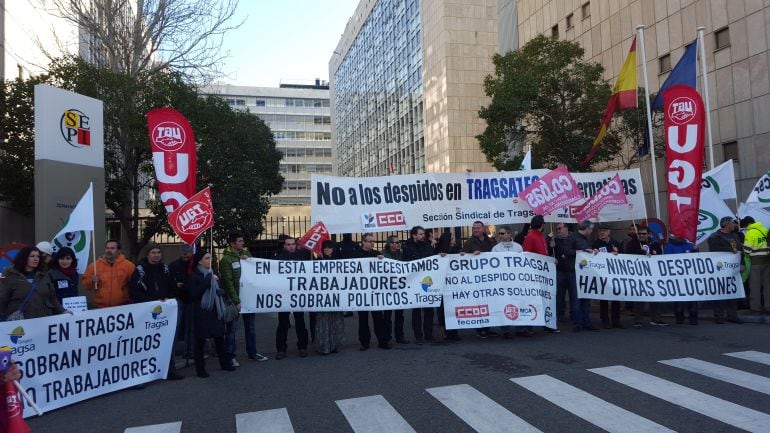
(611, 193)
(194, 217)
(684, 122)
(12, 412)
(173, 156)
(314, 238)
(556, 190)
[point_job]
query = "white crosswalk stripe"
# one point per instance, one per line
(743, 379)
(264, 421)
(373, 414)
(713, 407)
(752, 355)
(479, 411)
(592, 409)
(172, 427)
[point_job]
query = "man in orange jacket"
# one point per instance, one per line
(109, 276)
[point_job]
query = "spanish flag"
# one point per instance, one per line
(623, 96)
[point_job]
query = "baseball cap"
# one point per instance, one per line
(45, 247)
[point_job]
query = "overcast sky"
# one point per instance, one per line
(289, 40)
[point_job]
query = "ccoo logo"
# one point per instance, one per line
(169, 136)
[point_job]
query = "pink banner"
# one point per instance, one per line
(555, 190)
(610, 193)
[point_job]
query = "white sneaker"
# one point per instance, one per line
(235, 363)
(259, 357)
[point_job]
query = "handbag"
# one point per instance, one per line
(19, 313)
(231, 312)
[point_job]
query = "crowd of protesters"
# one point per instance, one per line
(39, 281)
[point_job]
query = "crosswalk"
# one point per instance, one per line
(374, 414)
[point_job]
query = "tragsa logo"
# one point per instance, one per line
(159, 320)
(367, 220)
(426, 283)
(583, 264)
(20, 344)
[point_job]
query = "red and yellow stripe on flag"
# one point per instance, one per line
(623, 96)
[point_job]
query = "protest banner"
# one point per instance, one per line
(663, 278)
(499, 289)
(340, 285)
(556, 189)
(684, 122)
(392, 203)
(610, 194)
(760, 194)
(65, 359)
(712, 210)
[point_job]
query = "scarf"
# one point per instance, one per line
(69, 272)
(211, 299)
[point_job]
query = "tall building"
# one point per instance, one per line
(298, 115)
(736, 40)
(406, 84)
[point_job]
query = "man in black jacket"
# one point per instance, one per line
(289, 252)
(579, 241)
(378, 317)
(609, 310)
(422, 318)
(179, 269)
(152, 281)
(725, 240)
(640, 244)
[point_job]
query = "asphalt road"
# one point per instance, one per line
(461, 386)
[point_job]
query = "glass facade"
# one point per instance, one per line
(301, 125)
(378, 95)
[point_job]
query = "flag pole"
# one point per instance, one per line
(702, 48)
(640, 29)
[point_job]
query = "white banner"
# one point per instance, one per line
(499, 289)
(664, 278)
(340, 285)
(761, 191)
(392, 203)
(712, 210)
(722, 180)
(65, 359)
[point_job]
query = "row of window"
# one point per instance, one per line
(302, 135)
(302, 152)
(296, 118)
(306, 168)
(277, 102)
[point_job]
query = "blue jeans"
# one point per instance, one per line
(250, 331)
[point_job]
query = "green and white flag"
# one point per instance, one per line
(526, 163)
(755, 211)
(761, 191)
(77, 230)
(712, 209)
(722, 180)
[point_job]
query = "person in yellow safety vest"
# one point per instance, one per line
(755, 247)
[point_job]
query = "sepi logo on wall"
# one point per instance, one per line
(512, 312)
(682, 109)
(20, 344)
(159, 319)
(471, 311)
(426, 283)
(75, 128)
(169, 136)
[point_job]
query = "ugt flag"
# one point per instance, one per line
(193, 217)
(684, 125)
(314, 238)
(76, 233)
(173, 156)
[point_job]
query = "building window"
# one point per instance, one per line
(260, 103)
(569, 21)
(722, 38)
(730, 151)
(664, 63)
(240, 102)
(555, 31)
(586, 10)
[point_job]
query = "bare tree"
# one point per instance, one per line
(148, 36)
